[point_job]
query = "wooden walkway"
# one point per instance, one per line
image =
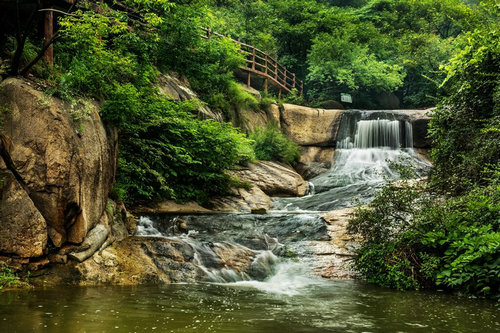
(261, 64)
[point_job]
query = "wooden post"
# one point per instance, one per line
(266, 64)
(293, 80)
(48, 34)
(279, 94)
(284, 82)
(249, 79)
(253, 57)
(266, 85)
(276, 71)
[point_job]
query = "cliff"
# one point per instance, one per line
(57, 168)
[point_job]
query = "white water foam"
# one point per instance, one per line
(289, 278)
(145, 227)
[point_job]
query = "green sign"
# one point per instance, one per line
(346, 98)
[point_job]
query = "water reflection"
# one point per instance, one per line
(332, 306)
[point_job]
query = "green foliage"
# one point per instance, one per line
(8, 279)
(175, 155)
(270, 144)
(465, 128)
(240, 98)
(413, 239)
(339, 64)
(165, 151)
(362, 47)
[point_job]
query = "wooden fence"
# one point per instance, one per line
(261, 64)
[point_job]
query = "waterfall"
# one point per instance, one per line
(369, 144)
(374, 133)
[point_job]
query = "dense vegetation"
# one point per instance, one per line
(447, 232)
(369, 48)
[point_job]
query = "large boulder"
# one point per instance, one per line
(170, 207)
(63, 157)
(249, 119)
(274, 179)
(310, 127)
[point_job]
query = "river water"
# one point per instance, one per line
(276, 294)
(324, 306)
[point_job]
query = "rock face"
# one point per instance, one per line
(64, 169)
(274, 179)
(310, 127)
(248, 119)
(24, 230)
(265, 179)
(335, 257)
(314, 161)
(419, 119)
(178, 89)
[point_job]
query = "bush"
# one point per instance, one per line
(270, 144)
(169, 153)
(413, 239)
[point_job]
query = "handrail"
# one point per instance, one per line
(262, 64)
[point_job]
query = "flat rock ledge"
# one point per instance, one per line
(334, 258)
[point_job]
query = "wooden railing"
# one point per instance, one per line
(262, 64)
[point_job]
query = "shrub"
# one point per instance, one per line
(413, 239)
(270, 144)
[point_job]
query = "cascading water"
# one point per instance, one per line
(249, 250)
(369, 145)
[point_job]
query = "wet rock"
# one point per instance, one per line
(419, 119)
(310, 127)
(257, 232)
(424, 154)
(58, 258)
(252, 200)
(334, 258)
(94, 240)
(274, 179)
(132, 261)
(24, 230)
(237, 258)
(38, 264)
(314, 161)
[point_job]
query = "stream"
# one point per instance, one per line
(272, 284)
